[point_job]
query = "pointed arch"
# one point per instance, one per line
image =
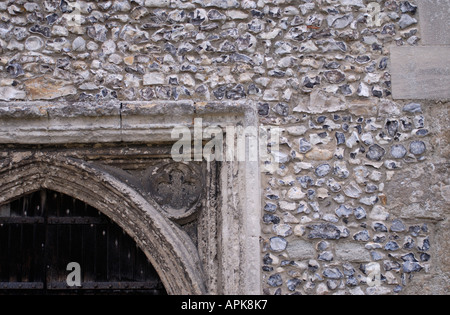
(168, 248)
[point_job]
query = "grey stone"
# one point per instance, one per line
(8, 93)
(305, 146)
(362, 236)
(340, 138)
(97, 32)
(376, 153)
(420, 72)
(326, 256)
(323, 170)
(410, 267)
(344, 211)
(417, 147)
(352, 252)
(324, 231)
(301, 250)
(360, 213)
(407, 7)
(223, 4)
(406, 21)
(275, 280)
(340, 22)
(391, 246)
(398, 151)
(34, 43)
(413, 108)
(292, 284)
(333, 273)
(352, 190)
(392, 127)
(278, 244)
(434, 22)
(398, 226)
(43, 30)
(79, 44)
(335, 76)
(283, 230)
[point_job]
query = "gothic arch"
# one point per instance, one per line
(169, 249)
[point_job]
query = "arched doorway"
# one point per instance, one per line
(166, 246)
(43, 232)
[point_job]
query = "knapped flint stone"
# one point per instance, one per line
(292, 284)
(97, 32)
(335, 76)
(407, 7)
(215, 15)
(271, 218)
(344, 211)
(398, 151)
(263, 109)
(410, 266)
(333, 273)
(305, 146)
(362, 59)
(275, 280)
(270, 207)
(15, 69)
(362, 236)
(417, 147)
(340, 138)
(406, 21)
(223, 4)
(324, 231)
(236, 93)
(413, 108)
(44, 31)
(323, 170)
(34, 43)
(376, 153)
(379, 227)
(360, 213)
(398, 226)
(391, 246)
(392, 127)
(278, 244)
(282, 109)
(352, 190)
(283, 230)
(326, 256)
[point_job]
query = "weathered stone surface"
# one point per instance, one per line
(352, 252)
(47, 88)
(434, 22)
(301, 250)
(420, 72)
(9, 93)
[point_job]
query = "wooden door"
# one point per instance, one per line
(41, 233)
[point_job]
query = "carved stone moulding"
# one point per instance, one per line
(177, 188)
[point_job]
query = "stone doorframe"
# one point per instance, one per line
(227, 262)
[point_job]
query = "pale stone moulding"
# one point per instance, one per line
(227, 261)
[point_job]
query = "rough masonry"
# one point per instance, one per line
(360, 189)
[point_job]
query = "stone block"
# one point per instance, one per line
(352, 252)
(420, 72)
(301, 250)
(434, 22)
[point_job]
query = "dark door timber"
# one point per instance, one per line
(41, 233)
